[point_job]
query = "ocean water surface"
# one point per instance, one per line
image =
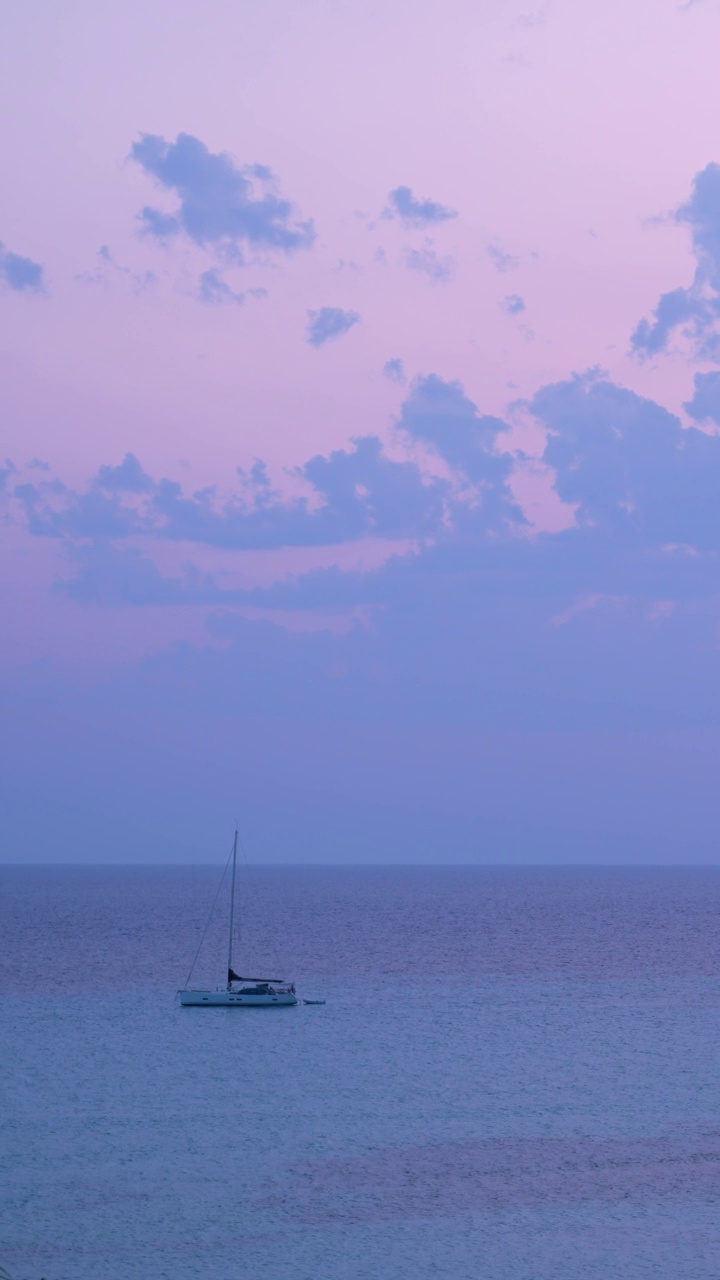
(516, 1076)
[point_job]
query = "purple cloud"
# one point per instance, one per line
(329, 322)
(221, 206)
(513, 304)
(426, 260)
(694, 310)
(20, 274)
(414, 212)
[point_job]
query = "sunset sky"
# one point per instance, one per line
(361, 400)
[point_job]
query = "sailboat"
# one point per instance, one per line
(239, 991)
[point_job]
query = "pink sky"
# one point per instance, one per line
(562, 135)
(557, 131)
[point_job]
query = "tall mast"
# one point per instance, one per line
(232, 910)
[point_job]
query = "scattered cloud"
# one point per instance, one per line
(631, 470)
(127, 477)
(216, 291)
(674, 309)
(100, 274)
(221, 206)
(7, 471)
(108, 269)
(513, 304)
(534, 17)
(414, 212)
(329, 322)
(465, 613)
(705, 403)
(394, 371)
(636, 479)
(430, 263)
(692, 311)
(355, 493)
(20, 274)
(439, 414)
(501, 259)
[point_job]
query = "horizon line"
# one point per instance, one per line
(346, 866)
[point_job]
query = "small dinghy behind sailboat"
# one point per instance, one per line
(241, 992)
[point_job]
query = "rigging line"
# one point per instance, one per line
(207, 922)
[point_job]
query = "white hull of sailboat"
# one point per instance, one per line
(215, 999)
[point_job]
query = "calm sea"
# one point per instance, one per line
(516, 1076)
